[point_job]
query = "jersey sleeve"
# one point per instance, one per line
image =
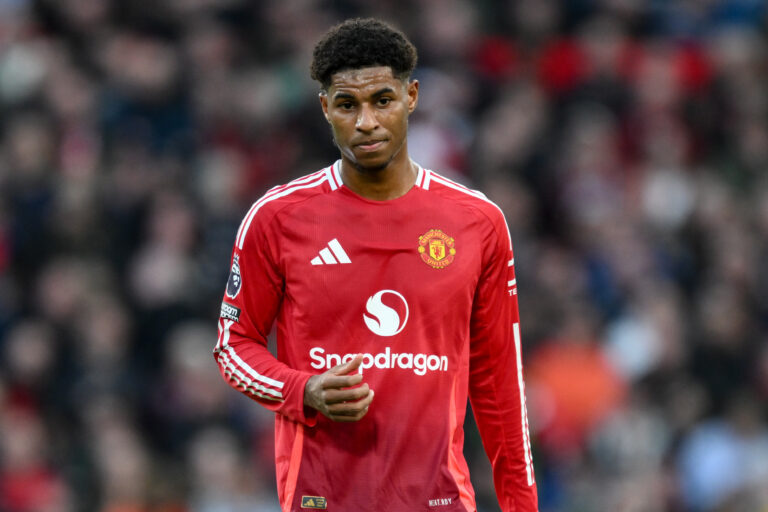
(497, 390)
(251, 302)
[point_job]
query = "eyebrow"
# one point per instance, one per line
(346, 95)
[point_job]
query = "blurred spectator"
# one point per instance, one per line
(563, 413)
(28, 482)
(726, 459)
(30, 353)
(649, 334)
(162, 268)
(223, 480)
(188, 396)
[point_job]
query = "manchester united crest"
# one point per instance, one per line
(436, 248)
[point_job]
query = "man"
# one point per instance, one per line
(395, 298)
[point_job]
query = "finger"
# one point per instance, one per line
(349, 408)
(351, 414)
(349, 419)
(348, 367)
(341, 381)
(333, 396)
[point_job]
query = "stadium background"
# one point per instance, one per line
(626, 141)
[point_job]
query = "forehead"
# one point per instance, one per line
(363, 79)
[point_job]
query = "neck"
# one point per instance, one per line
(390, 182)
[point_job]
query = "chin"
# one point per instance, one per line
(372, 164)
(370, 168)
(375, 162)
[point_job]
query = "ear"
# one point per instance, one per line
(413, 95)
(324, 104)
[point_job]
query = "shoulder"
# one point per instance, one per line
(474, 201)
(284, 196)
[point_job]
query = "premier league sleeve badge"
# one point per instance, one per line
(235, 281)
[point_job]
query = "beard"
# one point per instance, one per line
(371, 169)
(368, 169)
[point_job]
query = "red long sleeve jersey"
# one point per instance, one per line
(424, 287)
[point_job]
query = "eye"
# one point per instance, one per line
(384, 101)
(347, 105)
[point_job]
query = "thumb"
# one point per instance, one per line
(350, 366)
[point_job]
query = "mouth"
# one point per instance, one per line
(370, 145)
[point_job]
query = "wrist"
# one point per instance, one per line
(308, 393)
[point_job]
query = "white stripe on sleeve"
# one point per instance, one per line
(287, 191)
(523, 412)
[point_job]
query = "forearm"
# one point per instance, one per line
(247, 366)
(499, 408)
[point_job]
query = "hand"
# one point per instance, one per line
(332, 393)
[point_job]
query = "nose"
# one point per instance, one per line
(366, 119)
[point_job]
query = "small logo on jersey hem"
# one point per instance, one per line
(436, 248)
(314, 502)
(230, 312)
(235, 281)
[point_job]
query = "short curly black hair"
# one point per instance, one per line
(362, 43)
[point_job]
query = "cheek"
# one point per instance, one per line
(337, 129)
(342, 120)
(400, 122)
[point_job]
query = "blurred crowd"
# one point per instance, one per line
(625, 140)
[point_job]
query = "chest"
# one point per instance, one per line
(380, 270)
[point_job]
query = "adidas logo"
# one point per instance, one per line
(317, 502)
(331, 255)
